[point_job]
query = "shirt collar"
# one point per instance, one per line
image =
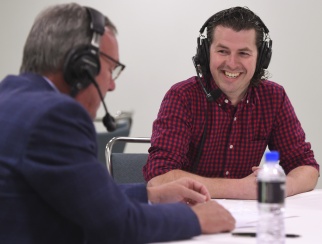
(223, 100)
(51, 83)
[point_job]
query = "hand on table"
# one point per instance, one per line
(214, 218)
(182, 190)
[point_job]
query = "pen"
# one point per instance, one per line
(253, 234)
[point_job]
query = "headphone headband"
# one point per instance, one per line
(228, 12)
(97, 24)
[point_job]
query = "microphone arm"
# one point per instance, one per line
(108, 121)
(212, 95)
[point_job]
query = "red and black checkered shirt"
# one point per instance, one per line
(236, 137)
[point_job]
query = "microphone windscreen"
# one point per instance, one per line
(109, 122)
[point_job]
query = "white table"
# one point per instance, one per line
(303, 216)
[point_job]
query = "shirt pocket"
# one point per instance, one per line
(258, 133)
(257, 129)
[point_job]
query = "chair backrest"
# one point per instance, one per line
(126, 167)
(123, 128)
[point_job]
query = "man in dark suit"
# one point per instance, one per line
(52, 187)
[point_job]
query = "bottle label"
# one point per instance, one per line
(271, 192)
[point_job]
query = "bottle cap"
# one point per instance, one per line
(272, 156)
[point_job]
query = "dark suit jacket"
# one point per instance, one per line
(52, 187)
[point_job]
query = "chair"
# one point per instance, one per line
(123, 127)
(126, 167)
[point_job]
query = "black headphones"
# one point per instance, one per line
(82, 64)
(201, 59)
(84, 60)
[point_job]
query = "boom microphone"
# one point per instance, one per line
(212, 95)
(108, 120)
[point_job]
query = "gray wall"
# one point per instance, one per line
(158, 38)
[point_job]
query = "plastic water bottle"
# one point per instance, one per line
(271, 196)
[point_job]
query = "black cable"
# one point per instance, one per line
(201, 146)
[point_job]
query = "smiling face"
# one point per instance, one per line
(233, 57)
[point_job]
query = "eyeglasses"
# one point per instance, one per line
(118, 68)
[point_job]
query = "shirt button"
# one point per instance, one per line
(226, 100)
(227, 172)
(247, 101)
(231, 146)
(235, 118)
(219, 105)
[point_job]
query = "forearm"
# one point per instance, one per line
(301, 179)
(217, 187)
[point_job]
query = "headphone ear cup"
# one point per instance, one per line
(202, 56)
(80, 63)
(265, 55)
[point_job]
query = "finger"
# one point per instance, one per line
(199, 187)
(255, 168)
(204, 191)
(255, 171)
(192, 196)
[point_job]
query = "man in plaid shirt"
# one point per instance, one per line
(215, 127)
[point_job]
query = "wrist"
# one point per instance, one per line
(288, 187)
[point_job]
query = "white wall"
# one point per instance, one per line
(158, 38)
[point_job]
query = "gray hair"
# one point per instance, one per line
(56, 31)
